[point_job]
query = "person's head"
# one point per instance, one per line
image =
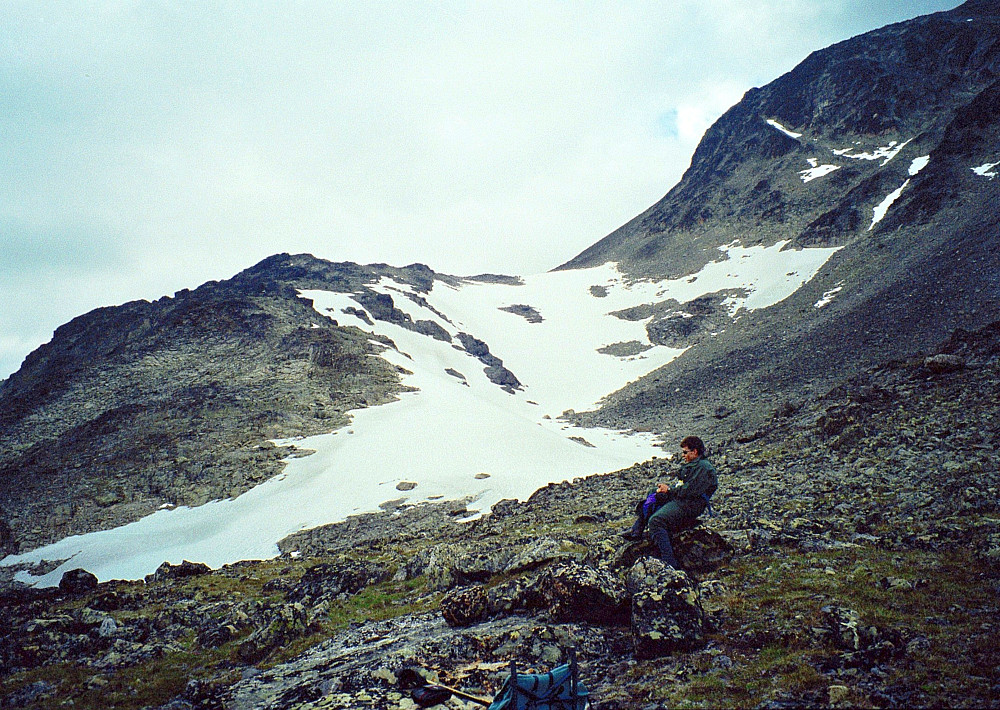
(692, 448)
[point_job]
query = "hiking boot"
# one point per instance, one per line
(631, 535)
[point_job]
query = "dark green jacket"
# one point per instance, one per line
(700, 479)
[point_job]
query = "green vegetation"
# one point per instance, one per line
(939, 603)
(182, 660)
(383, 601)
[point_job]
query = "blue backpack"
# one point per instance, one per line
(559, 689)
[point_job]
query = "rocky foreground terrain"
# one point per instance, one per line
(852, 561)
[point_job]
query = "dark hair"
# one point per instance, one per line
(693, 442)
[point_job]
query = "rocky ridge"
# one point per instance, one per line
(851, 562)
(190, 391)
(177, 402)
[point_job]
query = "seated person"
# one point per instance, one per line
(669, 509)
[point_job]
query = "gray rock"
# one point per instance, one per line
(701, 549)
(537, 553)
(666, 610)
(184, 569)
(944, 363)
(108, 628)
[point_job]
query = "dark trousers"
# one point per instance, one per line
(666, 520)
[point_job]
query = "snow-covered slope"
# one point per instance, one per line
(458, 434)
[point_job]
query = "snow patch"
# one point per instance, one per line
(883, 207)
(829, 296)
(919, 164)
(885, 153)
(816, 171)
(986, 170)
(790, 134)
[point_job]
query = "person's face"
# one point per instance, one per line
(689, 454)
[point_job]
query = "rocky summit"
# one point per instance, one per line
(816, 299)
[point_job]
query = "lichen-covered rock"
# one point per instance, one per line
(577, 592)
(698, 549)
(522, 593)
(701, 549)
(466, 606)
(346, 576)
(534, 555)
(712, 596)
(478, 564)
(471, 605)
(666, 610)
(278, 627)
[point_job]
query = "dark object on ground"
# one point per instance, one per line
(425, 695)
(430, 695)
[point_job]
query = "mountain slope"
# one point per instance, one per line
(882, 144)
(488, 368)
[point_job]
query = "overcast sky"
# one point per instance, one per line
(152, 146)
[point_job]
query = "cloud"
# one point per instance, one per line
(168, 144)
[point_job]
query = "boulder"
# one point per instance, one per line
(466, 606)
(505, 508)
(479, 564)
(535, 554)
(78, 581)
(666, 610)
(326, 581)
(577, 592)
(701, 549)
(184, 569)
(276, 628)
(523, 593)
(944, 363)
(698, 549)
(472, 605)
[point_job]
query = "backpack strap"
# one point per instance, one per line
(708, 503)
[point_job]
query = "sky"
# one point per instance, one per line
(152, 146)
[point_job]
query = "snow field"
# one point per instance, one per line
(450, 430)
